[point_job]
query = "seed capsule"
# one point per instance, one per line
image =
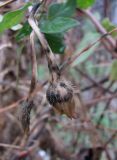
(62, 96)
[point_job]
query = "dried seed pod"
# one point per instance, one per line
(63, 97)
(24, 114)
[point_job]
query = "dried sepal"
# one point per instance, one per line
(64, 98)
(24, 114)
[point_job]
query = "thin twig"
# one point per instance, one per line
(10, 146)
(100, 99)
(110, 139)
(10, 107)
(94, 85)
(93, 81)
(99, 27)
(6, 3)
(74, 57)
(7, 45)
(105, 108)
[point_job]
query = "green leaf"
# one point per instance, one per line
(56, 42)
(24, 31)
(113, 73)
(54, 24)
(62, 9)
(109, 26)
(83, 4)
(13, 18)
(58, 25)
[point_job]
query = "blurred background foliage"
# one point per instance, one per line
(69, 27)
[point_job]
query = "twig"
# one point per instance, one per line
(94, 85)
(5, 46)
(10, 146)
(14, 105)
(93, 81)
(105, 108)
(99, 27)
(110, 139)
(103, 98)
(6, 3)
(10, 107)
(74, 57)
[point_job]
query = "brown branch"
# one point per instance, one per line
(10, 146)
(105, 108)
(10, 107)
(7, 2)
(15, 104)
(103, 98)
(94, 85)
(93, 81)
(100, 28)
(70, 60)
(110, 139)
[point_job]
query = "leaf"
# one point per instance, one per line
(72, 6)
(83, 4)
(24, 31)
(58, 25)
(109, 26)
(61, 9)
(56, 42)
(113, 72)
(54, 24)
(13, 18)
(58, 19)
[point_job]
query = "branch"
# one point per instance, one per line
(100, 28)
(6, 3)
(93, 81)
(103, 98)
(94, 85)
(10, 146)
(70, 60)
